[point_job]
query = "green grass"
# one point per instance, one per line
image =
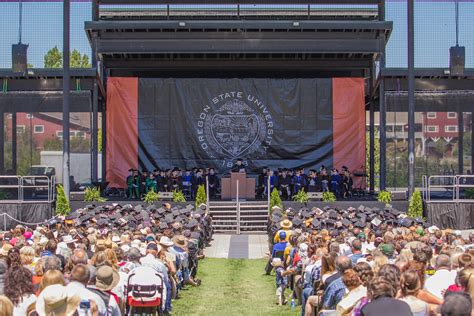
(232, 287)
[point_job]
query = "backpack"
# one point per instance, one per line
(145, 288)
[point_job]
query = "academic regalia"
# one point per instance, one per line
(298, 183)
(285, 186)
(213, 184)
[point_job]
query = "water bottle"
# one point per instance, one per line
(293, 304)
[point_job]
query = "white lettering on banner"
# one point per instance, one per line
(233, 128)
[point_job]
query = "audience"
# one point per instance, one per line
(398, 266)
(87, 263)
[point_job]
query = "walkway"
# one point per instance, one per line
(238, 246)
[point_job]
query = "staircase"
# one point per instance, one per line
(239, 217)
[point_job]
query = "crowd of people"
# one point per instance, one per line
(288, 182)
(369, 262)
(107, 260)
(169, 180)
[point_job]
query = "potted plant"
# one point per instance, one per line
(329, 197)
(201, 196)
(385, 197)
(415, 208)
(178, 196)
(62, 203)
(92, 194)
(301, 197)
(151, 197)
(275, 200)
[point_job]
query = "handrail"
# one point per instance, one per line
(455, 183)
(238, 208)
(268, 192)
(207, 193)
(29, 183)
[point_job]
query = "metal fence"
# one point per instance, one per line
(447, 188)
(18, 189)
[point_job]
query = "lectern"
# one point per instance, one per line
(246, 186)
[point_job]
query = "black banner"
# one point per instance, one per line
(279, 123)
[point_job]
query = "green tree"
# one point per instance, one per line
(415, 209)
(54, 59)
(62, 202)
(275, 200)
(53, 144)
(29, 66)
(201, 197)
(376, 158)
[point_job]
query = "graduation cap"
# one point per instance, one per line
(169, 220)
(297, 221)
(175, 212)
(192, 223)
(361, 208)
(161, 210)
(332, 214)
(163, 225)
(376, 221)
(195, 235)
(359, 224)
(102, 221)
(157, 216)
(345, 222)
(72, 216)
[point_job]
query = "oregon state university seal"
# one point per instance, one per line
(235, 125)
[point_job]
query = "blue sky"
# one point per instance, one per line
(434, 31)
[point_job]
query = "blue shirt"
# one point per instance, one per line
(278, 247)
(355, 257)
(333, 294)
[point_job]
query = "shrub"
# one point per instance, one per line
(469, 193)
(301, 197)
(62, 203)
(329, 197)
(178, 196)
(4, 195)
(415, 209)
(384, 197)
(92, 194)
(151, 197)
(275, 199)
(201, 196)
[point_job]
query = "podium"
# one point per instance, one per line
(246, 186)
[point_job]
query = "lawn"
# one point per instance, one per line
(232, 287)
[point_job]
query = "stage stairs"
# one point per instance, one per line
(239, 217)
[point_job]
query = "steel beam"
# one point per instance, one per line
(411, 97)
(237, 46)
(94, 134)
(14, 143)
(460, 142)
(236, 2)
(2, 142)
(239, 25)
(66, 88)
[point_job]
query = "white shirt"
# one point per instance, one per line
(439, 282)
(22, 307)
(79, 289)
(350, 299)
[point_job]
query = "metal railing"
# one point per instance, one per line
(34, 186)
(454, 185)
(238, 208)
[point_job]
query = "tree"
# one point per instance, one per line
(29, 66)
(201, 197)
(62, 202)
(54, 59)
(376, 158)
(275, 199)
(415, 209)
(78, 60)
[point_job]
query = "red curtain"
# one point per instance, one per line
(122, 129)
(349, 124)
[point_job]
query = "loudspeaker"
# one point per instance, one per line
(19, 57)
(457, 59)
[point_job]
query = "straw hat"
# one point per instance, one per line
(5, 249)
(166, 241)
(106, 278)
(286, 223)
(55, 300)
(180, 241)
